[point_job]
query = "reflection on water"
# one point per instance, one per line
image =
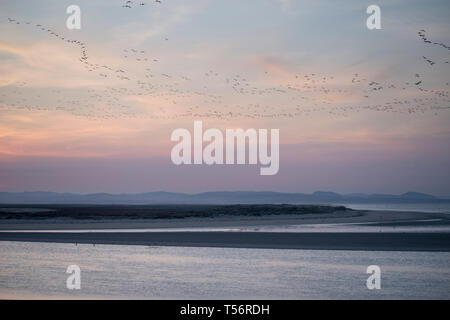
(436, 207)
(426, 225)
(37, 270)
(417, 226)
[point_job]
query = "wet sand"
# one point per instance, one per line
(267, 240)
(354, 216)
(409, 241)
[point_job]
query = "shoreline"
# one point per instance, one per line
(368, 241)
(353, 216)
(45, 231)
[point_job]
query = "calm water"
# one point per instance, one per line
(37, 270)
(415, 207)
(420, 225)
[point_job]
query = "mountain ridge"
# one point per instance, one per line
(212, 197)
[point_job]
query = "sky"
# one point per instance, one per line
(92, 110)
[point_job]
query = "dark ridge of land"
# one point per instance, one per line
(266, 240)
(216, 197)
(116, 212)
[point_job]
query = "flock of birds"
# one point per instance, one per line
(422, 34)
(140, 87)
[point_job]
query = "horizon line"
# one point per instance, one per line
(230, 191)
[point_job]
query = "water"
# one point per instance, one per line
(423, 226)
(420, 225)
(37, 270)
(439, 207)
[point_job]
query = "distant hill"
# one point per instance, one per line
(219, 197)
(417, 195)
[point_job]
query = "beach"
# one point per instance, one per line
(278, 256)
(263, 240)
(215, 232)
(345, 216)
